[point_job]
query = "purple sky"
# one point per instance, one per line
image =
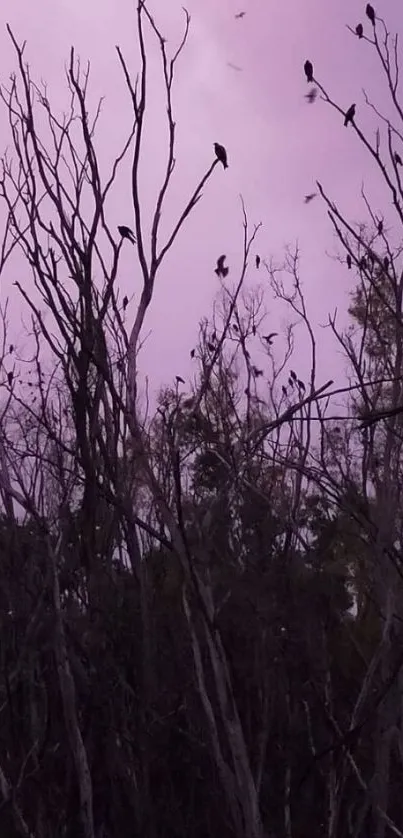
(277, 144)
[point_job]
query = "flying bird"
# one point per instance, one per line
(125, 303)
(257, 261)
(309, 198)
(349, 262)
(398, 159)
(221, 269)
(359, 30)
(221, 154)
(308, 68)
(370, 13)
(240, 15)
(269, 338)
(179, 379)
(127, 233)
(349, 115)
(234, 66)
(311, 96)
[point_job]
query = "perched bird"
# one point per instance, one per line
(291, 382)
(309, 198)
(254, 330)
(397, 159)
(257, 372)
(211, 347)
(269, 338)
(311, 96)
(284, 389)
(235, 327)
(308, 68)
(127, 233)
(179, 379)
(370, 13)
(301, 385)
(363, 264)
(221, 269)
(349, 262)
(240, 15)
(386, 263)
(221, 154)
(11, 348)
(359, 30)
(257, 261)
(10, 378)
(125, 303)
(349, 115)
(293, 375)
(192, 353)
(380, 227)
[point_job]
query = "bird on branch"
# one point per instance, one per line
(221, 154)
(127, 233)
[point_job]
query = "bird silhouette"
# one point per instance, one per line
(363, 264)
(221, 154)
(211, 347)
(349, 262)
(221, 269)
(235, 327)
(10, 378)
(293, 375)
(380, 227)
(308, 68)
(349, 115)
(257, 372)
(301, 385)
(359, 30)
(192, 353)
(257, 261)
(127, 233)
(370, 13)
(311, 96)
(386, 263)
(397, 159)
(309, 198)
(284, 389)
(125, 303)
(240, 15)
(11, 348)
(269, 338)
(179, 379)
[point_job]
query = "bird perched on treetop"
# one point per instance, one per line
(221, 154)
(398, 159)
(125, 303)
(359, 30)
(308, 67)
(269, 338)
(221, 269)
(126, 233)
(370, 13)
(179, 379)
(349, 116)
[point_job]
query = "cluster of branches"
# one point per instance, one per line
(199, 605)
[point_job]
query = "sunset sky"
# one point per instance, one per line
(277, 144)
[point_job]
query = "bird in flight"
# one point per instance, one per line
(359, 30)
(127, 233)
(308, 67)
(269, 338)
(311, 96)
(234, 66)
(221, 154)
(349, 116)
(221, 269)
(309, 198)
(240, 15)
(370, 13)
